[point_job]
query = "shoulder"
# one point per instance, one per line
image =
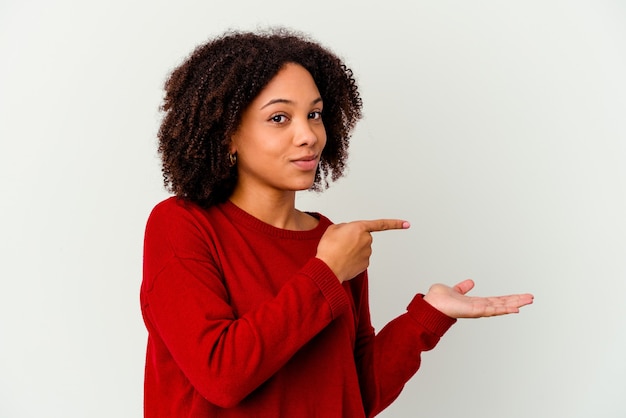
(175, 212)
(178, 223)
(180, 229)
(171, 206)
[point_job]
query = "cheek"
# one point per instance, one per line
(321, 136)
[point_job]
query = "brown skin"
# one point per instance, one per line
(206, 96)
(278, 145)
(346, 248)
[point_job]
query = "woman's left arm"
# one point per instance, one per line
(387, 360)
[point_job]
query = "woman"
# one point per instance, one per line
(254, 308)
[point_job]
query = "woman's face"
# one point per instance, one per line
(281, 135)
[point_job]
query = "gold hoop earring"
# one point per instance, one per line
(232, 158)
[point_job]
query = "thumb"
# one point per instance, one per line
(465, 286)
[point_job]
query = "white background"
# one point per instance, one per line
(496, 127)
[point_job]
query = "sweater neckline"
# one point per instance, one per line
(245, 219)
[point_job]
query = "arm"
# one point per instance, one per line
(186, 304)
(387, 360)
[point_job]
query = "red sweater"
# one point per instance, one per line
(244, 321)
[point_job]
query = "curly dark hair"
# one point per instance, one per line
(206, 96)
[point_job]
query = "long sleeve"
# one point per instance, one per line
(225, 350)
(387, 360)
(226, 357)
(244, 321)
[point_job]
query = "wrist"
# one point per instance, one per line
(331, 268)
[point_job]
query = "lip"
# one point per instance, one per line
(307, 162)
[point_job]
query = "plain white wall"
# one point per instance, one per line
(497, 128)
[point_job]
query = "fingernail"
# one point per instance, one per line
(405, 225)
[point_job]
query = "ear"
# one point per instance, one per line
(232, 147)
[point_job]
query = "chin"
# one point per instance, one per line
(304, 186)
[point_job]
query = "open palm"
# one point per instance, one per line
(453, 301)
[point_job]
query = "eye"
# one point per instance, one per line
(280, 118)
(316, 115)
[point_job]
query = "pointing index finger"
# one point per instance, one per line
(376, 225)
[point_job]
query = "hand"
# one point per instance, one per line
(346, 248)
(453, 302)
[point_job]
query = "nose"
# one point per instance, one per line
(308, 134)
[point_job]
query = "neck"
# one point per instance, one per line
(276, 209)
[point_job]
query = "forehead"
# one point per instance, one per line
(291, 81)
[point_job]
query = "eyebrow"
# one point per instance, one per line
(289, 102)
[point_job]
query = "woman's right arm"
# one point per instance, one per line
(225, 357)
